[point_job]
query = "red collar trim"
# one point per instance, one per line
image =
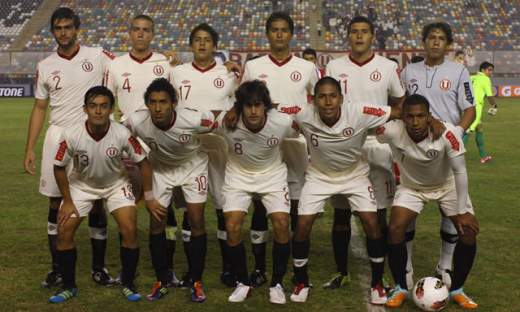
(97, 139)
(365, 62)
(140, 61)
(282, 63)
(203, 70)
(68, 58)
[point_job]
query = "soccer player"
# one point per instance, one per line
(365, 77)
(205, 85)
(430, 170)
(335, 132)
(128, 76)
(94, 148)
(177, 162)
(310, 55)
(447, 86)
(62, 80)
(289, 80)
(255, 168)
(483, 90)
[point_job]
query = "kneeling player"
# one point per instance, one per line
(430, 170)
(335, 134)
(255, 168)
(177, 161)
(95, 148)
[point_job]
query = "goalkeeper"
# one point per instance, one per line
(482, 90)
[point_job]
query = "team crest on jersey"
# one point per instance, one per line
(184, 138)
(87, 66)
(158, 70)
(348, 132)
(218, 83)
(112, 152)
(375, 76)
(432, 153)
(445, 84)
(343, 75)
(296, 76)
(273, 141)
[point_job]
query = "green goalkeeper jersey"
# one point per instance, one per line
(481, 87)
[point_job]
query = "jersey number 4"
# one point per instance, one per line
(126, 85)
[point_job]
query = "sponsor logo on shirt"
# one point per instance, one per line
(467, 91)
(218, 83)
(185, 81)
(109, 54)
(453, 140)
(135, 145)
(158, 70)
(296, 76)
(262, 76)
(61, 150)
(343, 75)
(290, 110)
(445, 84)
(126, 74)
(87, 66)
(380, 130)
(373, 111)
(375, 76)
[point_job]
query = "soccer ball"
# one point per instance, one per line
(430, 294)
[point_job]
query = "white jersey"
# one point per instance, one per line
(205, 89)
(424, 165)
(176, 145)
(288, 82)
(370, 82)
(97, 163)
(65, 80)
(446, 86)
(338, 148)
(258, 152)
(128, 78)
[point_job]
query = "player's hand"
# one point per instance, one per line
(29, 162)
(172, 57)
(493, 110)
(67, 209)
(155, 209)
(231, 119)
(233, 67)
(466, 221)
(437, 128)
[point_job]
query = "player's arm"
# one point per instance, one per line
(156, 210)
(464, 218)
(465, 102)
(35, 126)
(396, 91)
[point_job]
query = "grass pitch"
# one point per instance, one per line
(24, 256)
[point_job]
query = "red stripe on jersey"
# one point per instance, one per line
(61, 151)
(295, 126)
(373, 111)
(105, 79)
(290, 110)
(206, 122)
(380, 130)
(109, 54)
(135, 145)
(453, 140)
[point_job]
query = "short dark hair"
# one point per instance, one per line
(158, 85)
(275, 16)
(327, 80)
(210, 30)
(416, 99)
(459, 52)
(416, 59)
(485, 65)
(443, 26)
(97, 91)
(310, 51)
(393, 59)
(250, 93)
(360, 19)
(144, 17)
(65, 13)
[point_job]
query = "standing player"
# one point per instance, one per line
(289, 80)
(447, 87)
(255, 168)
(483, 90)
(365, 77)
(127, 77)
(62, 80)
(430, 170)
(335, 132)
(205, 85)
(94, 149)
(177, 162)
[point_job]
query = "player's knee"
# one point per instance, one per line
(396, 233)
(128, 232)
(157, 227)
(281, 228)
(469, 237)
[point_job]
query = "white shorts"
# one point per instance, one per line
(295, 155)
(48, 185)
(216, 148)
(270, 187)
(191, 176)
(379, 157)
(445, 195)
(355, 185)
(117, 196)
